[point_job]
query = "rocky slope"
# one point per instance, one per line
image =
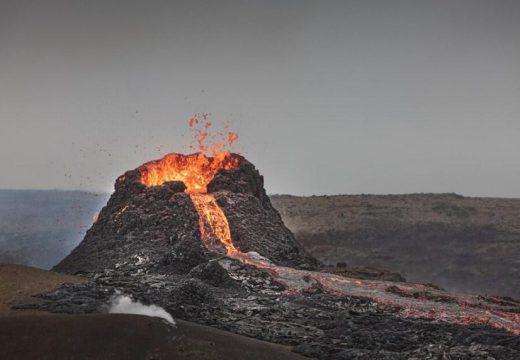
(325, 317)
(462, 244)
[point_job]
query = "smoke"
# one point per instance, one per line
(123, 304)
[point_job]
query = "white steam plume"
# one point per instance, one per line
(123, 304)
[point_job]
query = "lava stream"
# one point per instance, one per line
(456, 309)
(196, 171)
(214, 226)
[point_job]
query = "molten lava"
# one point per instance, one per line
(196, 171)
(214, 226)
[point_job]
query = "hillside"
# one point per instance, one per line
(460, 243)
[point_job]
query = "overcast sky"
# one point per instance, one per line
(328, 96)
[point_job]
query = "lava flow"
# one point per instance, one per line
(196, 171)
(214, 227)
(408, 300)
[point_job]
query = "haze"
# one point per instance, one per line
(328, 96)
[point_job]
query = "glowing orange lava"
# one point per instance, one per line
(213, 223)
(196, 171)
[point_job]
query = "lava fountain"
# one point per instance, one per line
(196, 171)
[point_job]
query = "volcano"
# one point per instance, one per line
(186, 204)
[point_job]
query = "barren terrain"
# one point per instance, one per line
(31, 334)
(460, 243)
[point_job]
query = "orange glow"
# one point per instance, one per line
(201, 131)
(232, 137)
(196, 171)
(213, 223)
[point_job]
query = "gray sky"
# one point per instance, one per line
(328, 96)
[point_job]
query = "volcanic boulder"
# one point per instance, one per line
(156, 228)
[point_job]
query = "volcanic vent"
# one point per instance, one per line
(181, 210)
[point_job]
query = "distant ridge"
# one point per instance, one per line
(466, 244)
(40, 227)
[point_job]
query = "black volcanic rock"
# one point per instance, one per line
(243, 180)
(318, 325)
(254, 223)
(246, 215)
(211, 273)
(156, 228)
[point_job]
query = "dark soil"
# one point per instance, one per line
(120, 336)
